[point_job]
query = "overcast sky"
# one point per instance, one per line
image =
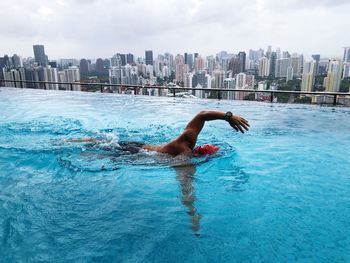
(101, 28)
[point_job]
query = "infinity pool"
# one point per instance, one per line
(279, 193)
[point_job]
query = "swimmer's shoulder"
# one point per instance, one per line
(168, 149)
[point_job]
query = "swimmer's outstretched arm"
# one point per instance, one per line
(194, 127)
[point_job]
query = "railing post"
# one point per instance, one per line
(271, 97)
(21, 83)
(174, 92)
(335, 100)
(44, 85)
(71, 86)
(219, 95)
(101, 88)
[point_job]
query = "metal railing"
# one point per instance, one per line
(135, 88)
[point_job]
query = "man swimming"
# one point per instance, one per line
(186, 142)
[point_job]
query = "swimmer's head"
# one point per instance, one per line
(205, 149)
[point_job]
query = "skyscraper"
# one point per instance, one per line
(333, 78)
(190, 61)
(242, 61)
(50, 75)
(100, 65)
(282, 65)
(264, 67)
(234, 65)
(2, 62)
(308, 76)
(273, 57)
(130, 58)
(84, 66)
(2, 65)
(123, 59)
(296, 64)
(16, 61)
(268, 52)
(149, 57)
(210, 64)
(7, 61)
(346, 70)
(40, 56)
(346, 57)
(218, 77)
(317, 58)
(185, 56)
(198, 63)
(289, 73)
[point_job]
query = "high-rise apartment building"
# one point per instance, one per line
(234, 65)
(84, 66)
(289, 73)
(51, 76)
(180, 68)
(269, 51)
(255, 55)
(282, 65)
(218, 77)
(2, 65)
(198, 63)
(13, 75)
(317, 58)
(346, 70)
(241, 81)
(264, 67)
(296, 64)
(273, 58)
(333, 79)
(16, 61)
(130, 58)
(308, 76)
(100, 68)
(346, 57)
(149, 57)
(115, 74)
(210, 64)
(200, 79)
(40, 56)
(123, 59)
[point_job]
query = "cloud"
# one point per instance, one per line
(304, 4)
(101, 28)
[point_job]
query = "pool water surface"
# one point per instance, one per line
(279, 193)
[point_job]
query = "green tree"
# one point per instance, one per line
(344, 85)
(303, 99)
(251, 96)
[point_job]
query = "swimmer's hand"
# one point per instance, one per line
(238, 123)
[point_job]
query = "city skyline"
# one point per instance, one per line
(344, 53)
(87, 29)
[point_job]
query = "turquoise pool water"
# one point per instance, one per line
(279, 193)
